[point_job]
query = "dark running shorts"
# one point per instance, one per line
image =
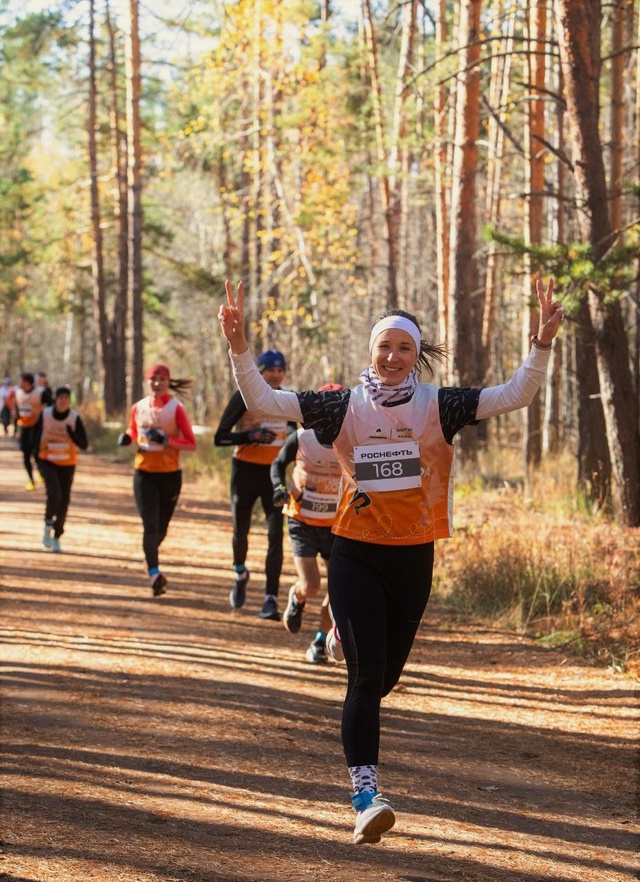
(307, 541)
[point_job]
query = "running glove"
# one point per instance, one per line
(261, 436)
(157, 436)
(280, 496)
(124, 440)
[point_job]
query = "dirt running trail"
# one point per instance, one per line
(173, 740)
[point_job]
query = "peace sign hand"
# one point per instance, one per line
(551, 313)
(231, 318)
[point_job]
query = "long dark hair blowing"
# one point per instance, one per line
(180, 385)
(429, 352)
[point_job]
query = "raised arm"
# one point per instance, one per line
(520, 390)
(257, 394)
(231, 318)
(551, 314)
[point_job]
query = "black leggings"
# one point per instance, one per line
(156, 495)
(249, 482)
(28, 450)
(378, 595)
(58, 481)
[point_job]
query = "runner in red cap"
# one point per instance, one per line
(160, 426)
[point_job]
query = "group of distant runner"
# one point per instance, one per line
(369, 491)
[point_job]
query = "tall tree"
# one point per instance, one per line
(134, 164)
(441, 165)
(465, 302)
(97, 251)
(535, 152)
(119, 172)
(580, 48)
(389, 212)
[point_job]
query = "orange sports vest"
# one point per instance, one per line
(397, 471)
(29, 405)
(315, 482)
(55, 444)
(262, 454)
(151, 456)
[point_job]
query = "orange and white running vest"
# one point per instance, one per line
(152, 456)
(55, 444)
(29, 406)
(262, 454)
(315, 482)
(397, 471)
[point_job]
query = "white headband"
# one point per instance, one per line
(395, 321)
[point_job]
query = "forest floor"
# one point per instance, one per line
(174, 740)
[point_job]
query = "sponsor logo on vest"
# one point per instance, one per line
(386, 454)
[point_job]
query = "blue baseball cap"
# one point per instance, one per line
(272, 358)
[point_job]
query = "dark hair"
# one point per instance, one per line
(429, 352)
(63, 390)
(27, 377)
(181, 385)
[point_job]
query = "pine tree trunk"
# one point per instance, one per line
(580, 47)
(134, 177)
(465, 302)
(97, 256)
(119, 162)
(534, 203)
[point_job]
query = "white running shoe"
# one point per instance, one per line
(334, 645)
(47, 536)
(375, 818)
(55, 545)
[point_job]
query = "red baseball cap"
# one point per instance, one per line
(157, 370)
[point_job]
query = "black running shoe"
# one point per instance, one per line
(270, 610)
(238, 593)
(317, 653)
(159, 585)
(292, 618)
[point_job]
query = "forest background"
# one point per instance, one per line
(343, 159)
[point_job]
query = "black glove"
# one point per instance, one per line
(156, 435)
(261, 436)
(280, 496)
(124, 440)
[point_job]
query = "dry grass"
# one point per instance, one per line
(531, 556)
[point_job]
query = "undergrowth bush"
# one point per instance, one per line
(530, 555)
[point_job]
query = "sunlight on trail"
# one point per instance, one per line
(173, 739)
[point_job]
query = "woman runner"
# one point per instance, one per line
(394, 439)
(160, 425)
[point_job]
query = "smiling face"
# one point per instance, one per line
(393, 356)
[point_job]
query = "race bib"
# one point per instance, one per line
(383, 467)
(319, 505)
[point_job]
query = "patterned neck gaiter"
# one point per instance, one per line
(388, 396)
